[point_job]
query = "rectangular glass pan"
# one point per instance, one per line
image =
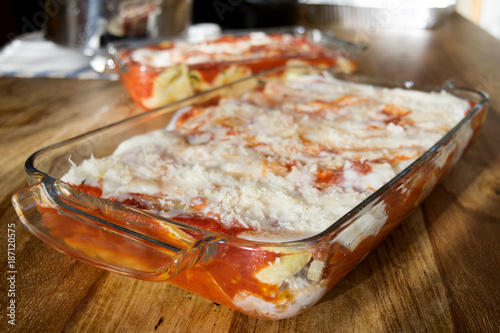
(155, 86)
(266, 280)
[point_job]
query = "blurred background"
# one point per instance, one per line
(485, 13)
(22, 16)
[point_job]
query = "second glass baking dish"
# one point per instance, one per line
(152, 83)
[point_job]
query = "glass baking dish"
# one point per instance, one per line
(154, 86)
(218, 266)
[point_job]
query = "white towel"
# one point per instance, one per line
(31, 55)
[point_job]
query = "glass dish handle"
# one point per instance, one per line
(110, 237)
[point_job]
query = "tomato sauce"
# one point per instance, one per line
(328, 177)
(361, 167)
(191, 113)
(139, 82)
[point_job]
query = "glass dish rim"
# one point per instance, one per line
(324, 38)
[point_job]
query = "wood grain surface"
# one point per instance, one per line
(438, 272)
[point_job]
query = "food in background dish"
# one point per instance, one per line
(160, 74)
(281, 163)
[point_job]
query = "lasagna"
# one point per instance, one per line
(280, 163)
(160, 74)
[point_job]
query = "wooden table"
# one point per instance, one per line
(438, 272)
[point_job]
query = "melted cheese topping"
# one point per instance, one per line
(228, 49)
(281, 164)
